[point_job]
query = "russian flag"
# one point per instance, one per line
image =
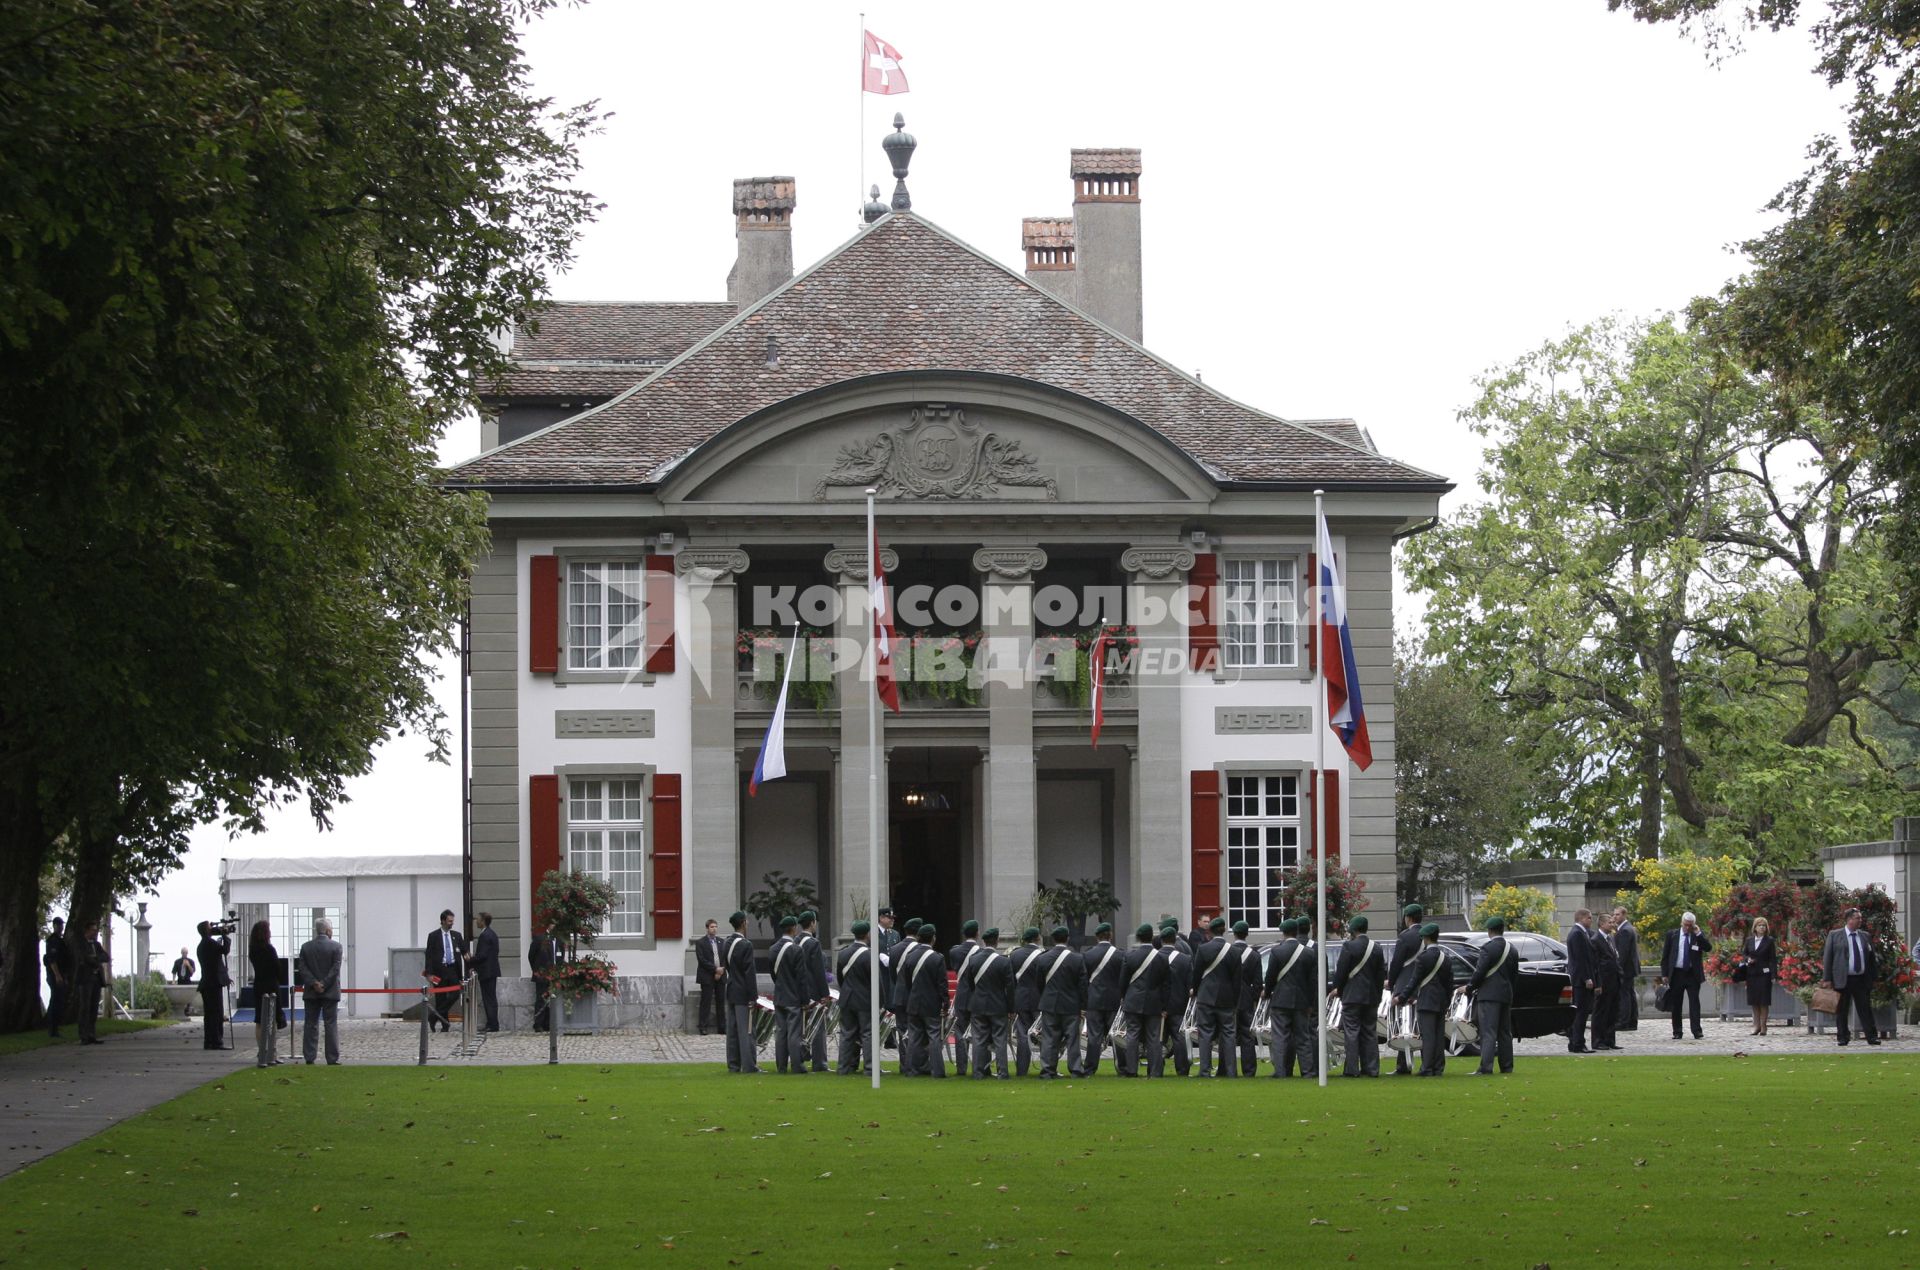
(772, 763)
(1345, 713)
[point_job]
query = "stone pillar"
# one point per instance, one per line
(1011, 868)
(1156, 587)
(851, 795)
(713, 795)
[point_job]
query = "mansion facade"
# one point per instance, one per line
(673, 487)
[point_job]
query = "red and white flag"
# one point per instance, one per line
(883, 679)
(880, 68)
(1097, 672)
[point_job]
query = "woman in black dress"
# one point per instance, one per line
(267, 982)
(1758, 955)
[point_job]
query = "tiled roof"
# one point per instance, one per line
(1046, 231)
(568, 379)
(641, 332)
(905, 296)
(1104, 161)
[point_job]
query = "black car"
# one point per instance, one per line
(1543, 998)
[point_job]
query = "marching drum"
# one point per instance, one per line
(1117, 1030)
(1402, 1030)
(764, 1021)
(1188, 1026)
(1460, 1025)
(1336, 1011)
(1263, 1022)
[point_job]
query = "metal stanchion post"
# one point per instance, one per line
(426, 1017)
(466, 1017)
(553, 1027)
(290, 1021)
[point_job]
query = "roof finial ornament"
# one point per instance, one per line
(899, 145)
(875, 209)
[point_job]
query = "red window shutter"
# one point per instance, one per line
(543, 614)
(1203, 614)
(659, 651)
(1313, 610)
(1330, 780)
(543, 831)
(667, 901)
(1204, 789)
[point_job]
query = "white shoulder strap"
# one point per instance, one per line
(859, 951)
(1505, 948)
(1298, 949)
(1436, 969)
(1097, 970)
(1026, 964)
(1218, 957)
(1144, 963)
(1057, 963)
(984, 963)
(781, 956)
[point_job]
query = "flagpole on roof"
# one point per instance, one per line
(860, 91)
(1320, 790)
(874, 828)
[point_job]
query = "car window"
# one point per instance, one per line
(1532, 949)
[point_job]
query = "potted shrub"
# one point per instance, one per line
(1072, 904)
(573, 906)
(781, 896)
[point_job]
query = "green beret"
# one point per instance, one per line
(969, 927)
(914, 924)
(1219, 926)
(789, 920)
(1291, 926)
(1241, 929)
(809, 917)
(1104, 928)
(1031, 932)
(1059, 933)
(860, 930)
(1430, 931)
(1413, 910)
(927, 931)
(1358, 925)
(737, 918)
(991, 933)
(1144, 931)
(1496, 924)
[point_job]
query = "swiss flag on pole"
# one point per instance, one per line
(883, 678)
(1097, 672)
(880, 67)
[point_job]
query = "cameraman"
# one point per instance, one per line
(214, 946)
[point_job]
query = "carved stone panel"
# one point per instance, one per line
(1015, 564)
(1155, 564)
(710, 564)
(851, 562)
(1232, 720)
(568, 724)
(937, 454)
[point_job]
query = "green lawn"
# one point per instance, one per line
(21, 1042)
(1621, 1162)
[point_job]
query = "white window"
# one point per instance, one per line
(1263, 846)
(1259, 605)
(293, 924)
(606, 837)
(606, 614)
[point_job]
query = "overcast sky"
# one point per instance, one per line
(1348, 210)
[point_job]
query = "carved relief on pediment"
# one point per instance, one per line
(936, 454)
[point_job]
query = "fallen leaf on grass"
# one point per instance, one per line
(393, 1234)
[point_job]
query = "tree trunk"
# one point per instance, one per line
(93, 875)
(23, 852)
(1646, 842)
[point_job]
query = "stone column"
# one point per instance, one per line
(712, 806)
(851, 795)
(1011, 869)
(1156, 578)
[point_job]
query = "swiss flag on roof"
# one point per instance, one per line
(880, 67)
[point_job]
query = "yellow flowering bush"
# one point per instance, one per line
(1677, 884)
(1521, 907)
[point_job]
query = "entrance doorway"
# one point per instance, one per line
(927, 833)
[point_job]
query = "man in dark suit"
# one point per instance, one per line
(1217, 999)
(1626, 942)
(1583, 968)
(791, 993)
(57, 957)
(1359, 980)
(926, 1003)
(1143, 998)
(959, 960)
(486, 968)
(1607, 960)
(853, 971)
(991, 1005)
(1202, 931)
(446, 967)
(1063, 996)
(544, 952)
(1105, 987)
(905, 957)
(214, 979)
(1683, 960)
(1252, 970)
(1406, 947)
(742, 985)
(1494, 982)
(1288, 986)
(1026, 997)
(815, 960)
(706, 976)
(1846, 966)
(183, 969)
(1173, 1032)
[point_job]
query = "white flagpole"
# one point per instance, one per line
(859, 203)
(873, 789)
(1320, 786)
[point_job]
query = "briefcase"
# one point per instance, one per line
(1824, 1001)
(1661, 995)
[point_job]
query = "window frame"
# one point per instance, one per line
(1302, 821)
(1231, 554)
(572, 775)
(629, 553)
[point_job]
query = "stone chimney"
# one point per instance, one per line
(1048, 241)
(1106, 236)
(763, 227)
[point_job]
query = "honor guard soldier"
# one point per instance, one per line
(1104, 987)
(1142, 1001)
(897, 991)
(1251, 970)
(1063, 995)
(1492, 987)
(742, 985)
(1026, 997)
(991, 1003)
(959, 960)
(888, 935)
(1400, 971)
(1173, 1035)
(815, 959)
(1288, 986)
(926, 1003)
(1217, 999)
(1360, 981)
(790, 997)
(853, 968)
(1432, 984)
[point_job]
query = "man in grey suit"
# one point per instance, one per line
(1846, 966)
(320, 972)
(1626, 941)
